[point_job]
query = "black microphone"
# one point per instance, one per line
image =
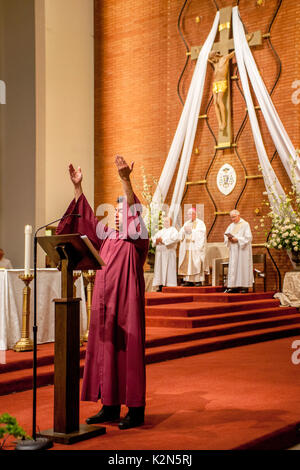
(57, 220)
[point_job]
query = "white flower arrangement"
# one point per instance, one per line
(152, 218)
(285, 225)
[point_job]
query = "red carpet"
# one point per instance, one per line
(180, 321)
(243, 397)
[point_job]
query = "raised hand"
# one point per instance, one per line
(124, 169)
(75, 175)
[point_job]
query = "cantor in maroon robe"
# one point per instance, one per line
(115, 358)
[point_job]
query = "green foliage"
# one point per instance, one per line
(10, 427)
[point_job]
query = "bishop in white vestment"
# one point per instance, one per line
(165, 241)
(192, 249)
(238, 238)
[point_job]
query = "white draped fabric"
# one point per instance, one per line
(185, 134)
(273, 186)
(281, 140)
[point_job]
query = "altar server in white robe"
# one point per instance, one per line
(192, 249)
(238, 238)
(165, 241)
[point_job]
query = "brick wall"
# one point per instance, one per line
(139, 56)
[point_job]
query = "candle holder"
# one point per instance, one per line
(25, 343)
(76, 275)
(90, 277)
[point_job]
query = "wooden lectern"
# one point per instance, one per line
(69, 253)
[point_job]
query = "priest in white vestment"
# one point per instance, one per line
(192, 249)
(4, 262)
(238, 238)
(165, 241)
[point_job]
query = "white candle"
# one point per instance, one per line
(28, 232)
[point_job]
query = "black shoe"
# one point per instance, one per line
(134, 418)
(198, 284)
(230, 291)
(244, 291)
(106, 414)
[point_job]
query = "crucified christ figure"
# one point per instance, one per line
(220, 84)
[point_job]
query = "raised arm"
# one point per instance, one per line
(87, 224)
(124, 171)
(76, 178)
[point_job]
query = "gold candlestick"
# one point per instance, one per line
(76, 275)
(25, 343)
(90, 277)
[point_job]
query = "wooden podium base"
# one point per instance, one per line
(86, 431)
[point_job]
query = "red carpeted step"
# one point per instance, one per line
(158, 298)
(24, 360)
(211, 320)
(201, 346)
(238, 325)
(193, 289)
(205, 308)
(19, 380)
(179, 335)
(197, 341)
(215, 297)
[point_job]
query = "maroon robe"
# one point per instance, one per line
(115, 358)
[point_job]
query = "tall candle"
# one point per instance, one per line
(28, 232)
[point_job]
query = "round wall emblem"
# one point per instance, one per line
(226, 179)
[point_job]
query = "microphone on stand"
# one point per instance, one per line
(41, 443)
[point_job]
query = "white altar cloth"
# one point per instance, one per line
(214, 250)
(290, 295)
(11, 304)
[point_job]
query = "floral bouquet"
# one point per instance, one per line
(152, 217)
(285, 223)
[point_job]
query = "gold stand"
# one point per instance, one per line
(76, 275)
(90, 277)
(25, 343)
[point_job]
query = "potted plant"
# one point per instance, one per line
(10, 427)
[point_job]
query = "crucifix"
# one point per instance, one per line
(220, 56)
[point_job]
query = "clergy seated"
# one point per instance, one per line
(238, 238)
(192, 238)
(165, 241)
